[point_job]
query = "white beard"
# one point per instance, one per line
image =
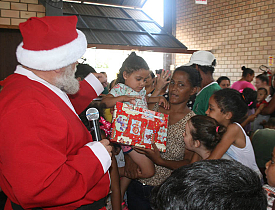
(67, 81)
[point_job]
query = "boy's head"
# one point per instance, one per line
(261, 94)
(211, 184)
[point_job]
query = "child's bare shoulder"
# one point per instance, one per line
(233, 127)
(239, 136)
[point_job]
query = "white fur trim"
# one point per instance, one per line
(102, 154)
(56, 58)
(95, 83)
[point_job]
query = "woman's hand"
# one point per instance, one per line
(163, 102)
(153, 154)
(162, 80)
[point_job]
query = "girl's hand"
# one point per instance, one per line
(153, 154)
(164, 102)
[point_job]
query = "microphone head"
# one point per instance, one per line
(92, 114)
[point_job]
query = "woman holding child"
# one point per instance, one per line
(184, 83)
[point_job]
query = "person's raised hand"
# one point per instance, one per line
(163, 79)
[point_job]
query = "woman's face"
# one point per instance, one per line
(225, 84)
(259, 83)
(249, 77)
(180, 88)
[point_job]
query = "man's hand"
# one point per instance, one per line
(106, 144)
(102, 78)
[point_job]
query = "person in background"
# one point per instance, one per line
(48, 158)
(82, 70)
(229, 107)
(211, 184)
(270, 188)
(261, 103)
(224, 82)
(106, 89)
(205, 63)
(150, 83)
(262, 81)
(263, 142)
(108, 112)
(245, 81)
(202, 134)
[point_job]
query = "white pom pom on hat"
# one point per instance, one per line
(50, 42)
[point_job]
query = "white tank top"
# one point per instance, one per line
(244, 155)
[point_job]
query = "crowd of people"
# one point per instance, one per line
(220, 145)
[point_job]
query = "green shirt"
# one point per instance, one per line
(263, 142)
(202, 98)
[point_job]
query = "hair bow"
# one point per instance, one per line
(106, 126)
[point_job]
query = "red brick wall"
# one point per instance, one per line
(238, 32)
(13, 12)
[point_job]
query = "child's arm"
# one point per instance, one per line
(249, 119)
(109, 100)
(115, 186)
(258, 111)
(228, 138)
(154, 155)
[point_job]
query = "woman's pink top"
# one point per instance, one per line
(240, 85)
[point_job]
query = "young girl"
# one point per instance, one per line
(130, 89)
(202, 134)
(229, 107)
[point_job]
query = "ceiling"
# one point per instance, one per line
(113, 27)
(127, 3)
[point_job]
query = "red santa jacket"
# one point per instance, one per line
(43, 158)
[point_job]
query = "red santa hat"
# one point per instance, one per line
(50, 42)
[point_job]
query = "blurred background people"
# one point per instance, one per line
(224, 82)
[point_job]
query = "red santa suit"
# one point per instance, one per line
(48, 159)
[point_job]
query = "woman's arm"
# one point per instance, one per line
(228, 138)
(270, 108)
(154, 155)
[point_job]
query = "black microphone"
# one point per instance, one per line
(92, 115)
